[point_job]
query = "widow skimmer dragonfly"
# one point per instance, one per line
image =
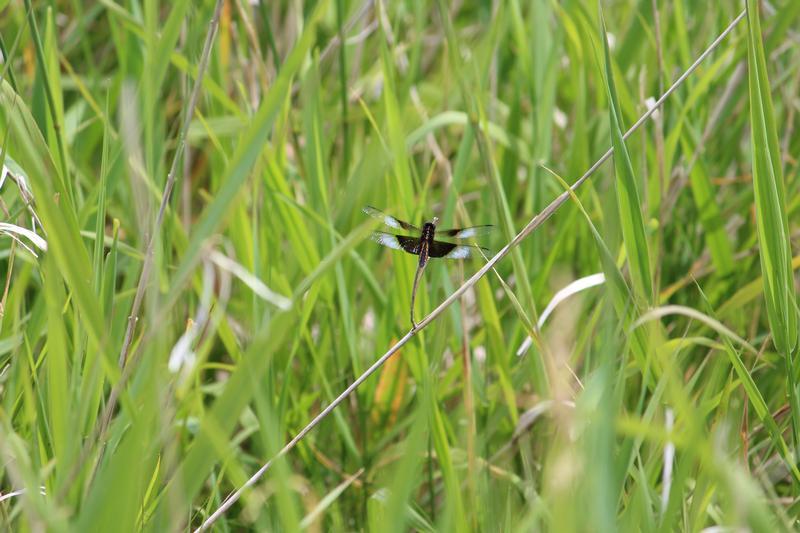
(425, 246)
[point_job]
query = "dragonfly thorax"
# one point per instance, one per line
(428, 229)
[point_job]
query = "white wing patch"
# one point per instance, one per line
(467, 233)
(474, 231)
(386, 239)
(465, 251)
(391, 222)
(380, 215)
(460, 252)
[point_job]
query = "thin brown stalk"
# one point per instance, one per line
(661, 170)
(147, 266)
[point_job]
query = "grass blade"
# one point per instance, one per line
(630, 206)
(769, 190)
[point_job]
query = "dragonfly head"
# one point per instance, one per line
(435, 220)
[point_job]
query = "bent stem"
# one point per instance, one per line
(417, 277)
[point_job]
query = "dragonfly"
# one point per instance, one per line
(424, 245)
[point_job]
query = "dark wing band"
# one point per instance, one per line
(466, 233)
(451, 250)
(397, 242)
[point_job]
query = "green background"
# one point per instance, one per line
(664, 399)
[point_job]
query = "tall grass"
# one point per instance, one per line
(664, 399)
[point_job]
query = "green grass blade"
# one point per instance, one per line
(769, 191)
(250, 147)
(710, 216)
(28, 148)
(634, 235)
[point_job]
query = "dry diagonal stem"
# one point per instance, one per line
(534, 223)
(147, 266)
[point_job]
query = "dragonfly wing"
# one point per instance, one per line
(451, 250)
(389, 220)
(397, 242)
(466, 233)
